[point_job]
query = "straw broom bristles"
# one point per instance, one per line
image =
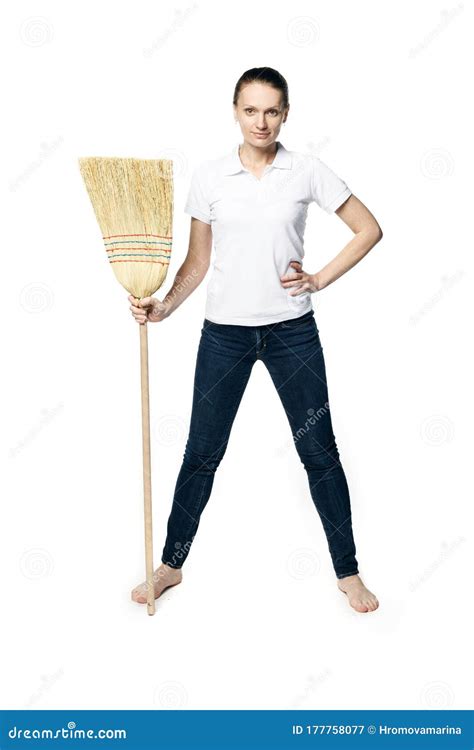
(133, 203)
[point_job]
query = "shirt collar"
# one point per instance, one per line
(282, 160)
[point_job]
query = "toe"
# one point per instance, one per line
(139, 594)
(140, 598)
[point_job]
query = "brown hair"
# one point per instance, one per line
(263, 75)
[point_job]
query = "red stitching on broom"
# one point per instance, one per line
(163, 236)
(153, 249)
(140, 261)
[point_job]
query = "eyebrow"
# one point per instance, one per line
(253, 107)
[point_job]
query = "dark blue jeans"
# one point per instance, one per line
(291, 351)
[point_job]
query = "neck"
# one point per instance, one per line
(255, 156)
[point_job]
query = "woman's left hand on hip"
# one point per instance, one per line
(305, 282)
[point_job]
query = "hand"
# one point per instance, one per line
(148, 309)
(305, 282)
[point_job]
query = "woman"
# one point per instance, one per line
(253, 204)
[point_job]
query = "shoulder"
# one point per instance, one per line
(305, 163)
(308, 160)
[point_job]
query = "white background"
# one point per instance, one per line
(381, 94)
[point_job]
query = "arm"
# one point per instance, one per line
(195, 265)
(187, 279)
(367, 233)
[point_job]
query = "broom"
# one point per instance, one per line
(133, 204)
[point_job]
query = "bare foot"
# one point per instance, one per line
(360, 598)
(163, 578)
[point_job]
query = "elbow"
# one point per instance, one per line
(376, 233)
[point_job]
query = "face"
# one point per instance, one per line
(260, 113)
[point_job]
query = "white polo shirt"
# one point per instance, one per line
(258, 229)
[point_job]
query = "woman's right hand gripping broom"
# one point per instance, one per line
(148, 309)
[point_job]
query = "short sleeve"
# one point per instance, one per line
(328, 190)
(197, 202)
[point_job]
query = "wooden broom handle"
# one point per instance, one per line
(147, 468)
